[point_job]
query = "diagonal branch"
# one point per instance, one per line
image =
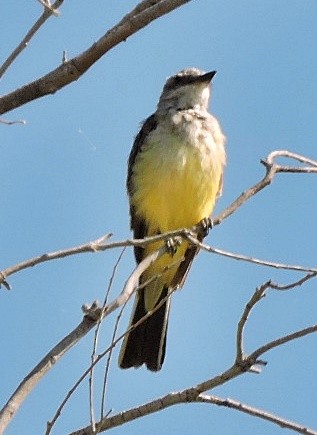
(271, 170)
(256, 297)
(143, 14)
(92, 316)
(282, 340)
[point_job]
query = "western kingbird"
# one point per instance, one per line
(175, 174)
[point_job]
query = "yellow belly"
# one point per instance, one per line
(175, 186)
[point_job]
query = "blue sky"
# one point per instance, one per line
(63, 183)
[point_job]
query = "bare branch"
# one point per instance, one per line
(49, 10)
(282, 340)
(91, 317)
(256, 412)
(256, 297)
(290, 155)
(293, 284)
(253, 260)
(100, 245)
(93, 246)
(72, 70)
(30, 381)
(271, 170)
(192, 394)
(107, 368)
(185, 396)
(95, 342)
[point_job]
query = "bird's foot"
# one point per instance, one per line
(205, 225)
(172, 244)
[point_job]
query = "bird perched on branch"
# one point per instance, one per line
(175, 174)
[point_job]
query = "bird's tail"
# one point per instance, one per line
(146, 343)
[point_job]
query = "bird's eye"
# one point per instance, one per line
(178, 80)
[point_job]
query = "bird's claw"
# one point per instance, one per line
(172, 244)
(206, 224)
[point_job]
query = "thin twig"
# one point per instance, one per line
(256, 412)
(107, 368)
(271, 170)
(282, 340)
(293, 284)
(290, 155)
(248, 259)
(95, 343)
(99, 358)
(256, 297)
(93, 246)
(49, 10)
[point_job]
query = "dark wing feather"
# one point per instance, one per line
(183, 269)
(137, 224)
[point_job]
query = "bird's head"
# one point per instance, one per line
(188, 89)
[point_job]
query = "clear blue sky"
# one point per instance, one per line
(63, 183)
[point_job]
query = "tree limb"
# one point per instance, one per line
(271, 170)
(92, 315)
(71, 70)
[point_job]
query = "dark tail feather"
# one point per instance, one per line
(146, 343)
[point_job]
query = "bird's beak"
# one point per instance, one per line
(204, 78)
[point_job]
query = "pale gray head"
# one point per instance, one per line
(188, 89)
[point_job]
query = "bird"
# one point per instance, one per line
(175, 175)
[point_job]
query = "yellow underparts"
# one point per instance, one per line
(175, 186)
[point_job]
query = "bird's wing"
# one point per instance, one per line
(137, 224)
